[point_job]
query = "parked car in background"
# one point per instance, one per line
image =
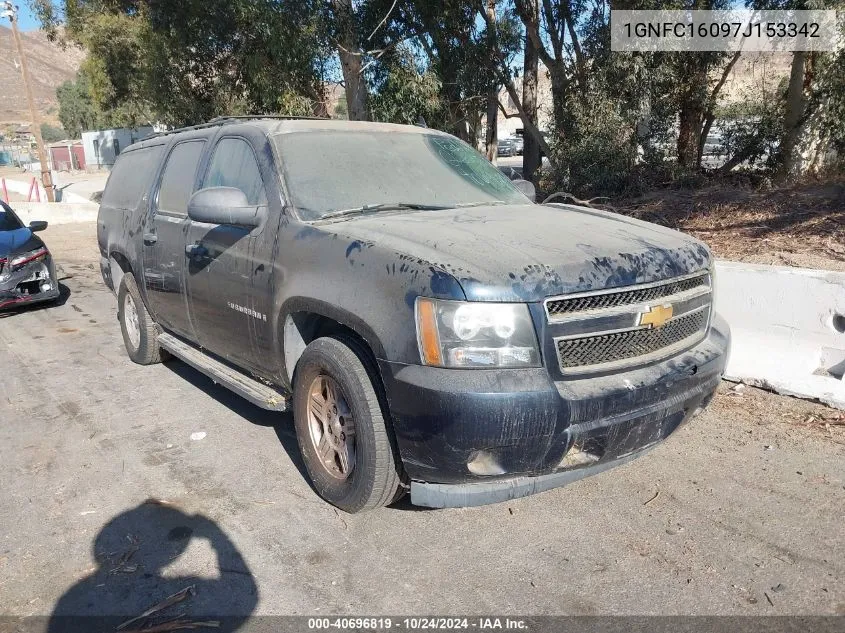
(27, 272)
(506, 147)
(431, 328)
(519, 145)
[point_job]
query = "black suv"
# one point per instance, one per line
(431, 327)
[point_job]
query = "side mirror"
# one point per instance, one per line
(223, 205)
(37, 225)
(526, 187)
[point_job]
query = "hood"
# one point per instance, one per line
(18, 241)
(530, 252)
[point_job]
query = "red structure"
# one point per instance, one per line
(67, 156)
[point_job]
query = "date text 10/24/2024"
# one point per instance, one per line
(417, 623)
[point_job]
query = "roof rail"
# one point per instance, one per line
(234, 118)
(246, 117)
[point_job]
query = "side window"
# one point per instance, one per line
(131, 177)
(234, 165)
(177, 181)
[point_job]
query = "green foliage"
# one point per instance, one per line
(51, 133)
(446, 62)
(620, 121)
(76, 108)
(829, 96)
(600, 152)
(341, 110)
(406, 94)
(752, 129)
(184, 63)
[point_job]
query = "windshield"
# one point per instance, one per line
(8, 220)
(330, 171)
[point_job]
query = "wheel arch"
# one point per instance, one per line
(305, 320)
(119, 265)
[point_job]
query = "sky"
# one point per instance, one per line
(26, 21)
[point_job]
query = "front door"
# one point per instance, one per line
(164, 239)
(229, 267)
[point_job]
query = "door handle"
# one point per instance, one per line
(150, 238)
(196, 251)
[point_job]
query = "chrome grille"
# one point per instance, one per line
(645, 294)
(614, 329)
(619, 346)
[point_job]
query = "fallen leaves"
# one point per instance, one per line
(122, 565)
(178, 623)
(179, 596)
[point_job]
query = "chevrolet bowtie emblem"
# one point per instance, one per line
(657, 316)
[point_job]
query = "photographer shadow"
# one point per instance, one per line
(128, 591)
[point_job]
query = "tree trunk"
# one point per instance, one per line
(528, 124)
(491, 138)
(561, 114)
(688, 135)
(692, 110)
(710, 115)
(350, 61)
(319, 104)
(790, 158)
(531, 148)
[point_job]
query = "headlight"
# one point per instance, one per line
(19, 261)
(464, 334)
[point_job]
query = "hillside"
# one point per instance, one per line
(49, 66)
(756, 72)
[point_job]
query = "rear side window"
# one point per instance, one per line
(131, 177)
(177, 181)
(234, 165)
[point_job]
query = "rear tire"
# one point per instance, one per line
(140, 333)
(340, 421)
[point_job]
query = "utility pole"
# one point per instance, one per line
(8, 10)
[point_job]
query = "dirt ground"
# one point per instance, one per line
(801, 225)
(740, 512)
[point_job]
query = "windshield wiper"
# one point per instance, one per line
(383, 206)
(488, 203)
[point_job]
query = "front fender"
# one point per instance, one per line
(366, 287)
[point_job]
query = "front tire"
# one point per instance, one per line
(140, 333)
(341, 427)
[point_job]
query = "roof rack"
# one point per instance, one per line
(234, 118)
(242, 117)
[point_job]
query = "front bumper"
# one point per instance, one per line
(470, 437)
(23, 287)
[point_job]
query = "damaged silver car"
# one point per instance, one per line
(27, 272)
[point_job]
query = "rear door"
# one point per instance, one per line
(164, 239)
(229, 270)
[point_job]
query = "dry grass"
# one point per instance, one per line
(802, 225)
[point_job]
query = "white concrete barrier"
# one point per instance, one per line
(56, 212)
(22, 188)
(788, 327)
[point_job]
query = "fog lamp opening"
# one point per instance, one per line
(484, 463)
(577, 456)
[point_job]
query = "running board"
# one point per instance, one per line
(256, 392)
